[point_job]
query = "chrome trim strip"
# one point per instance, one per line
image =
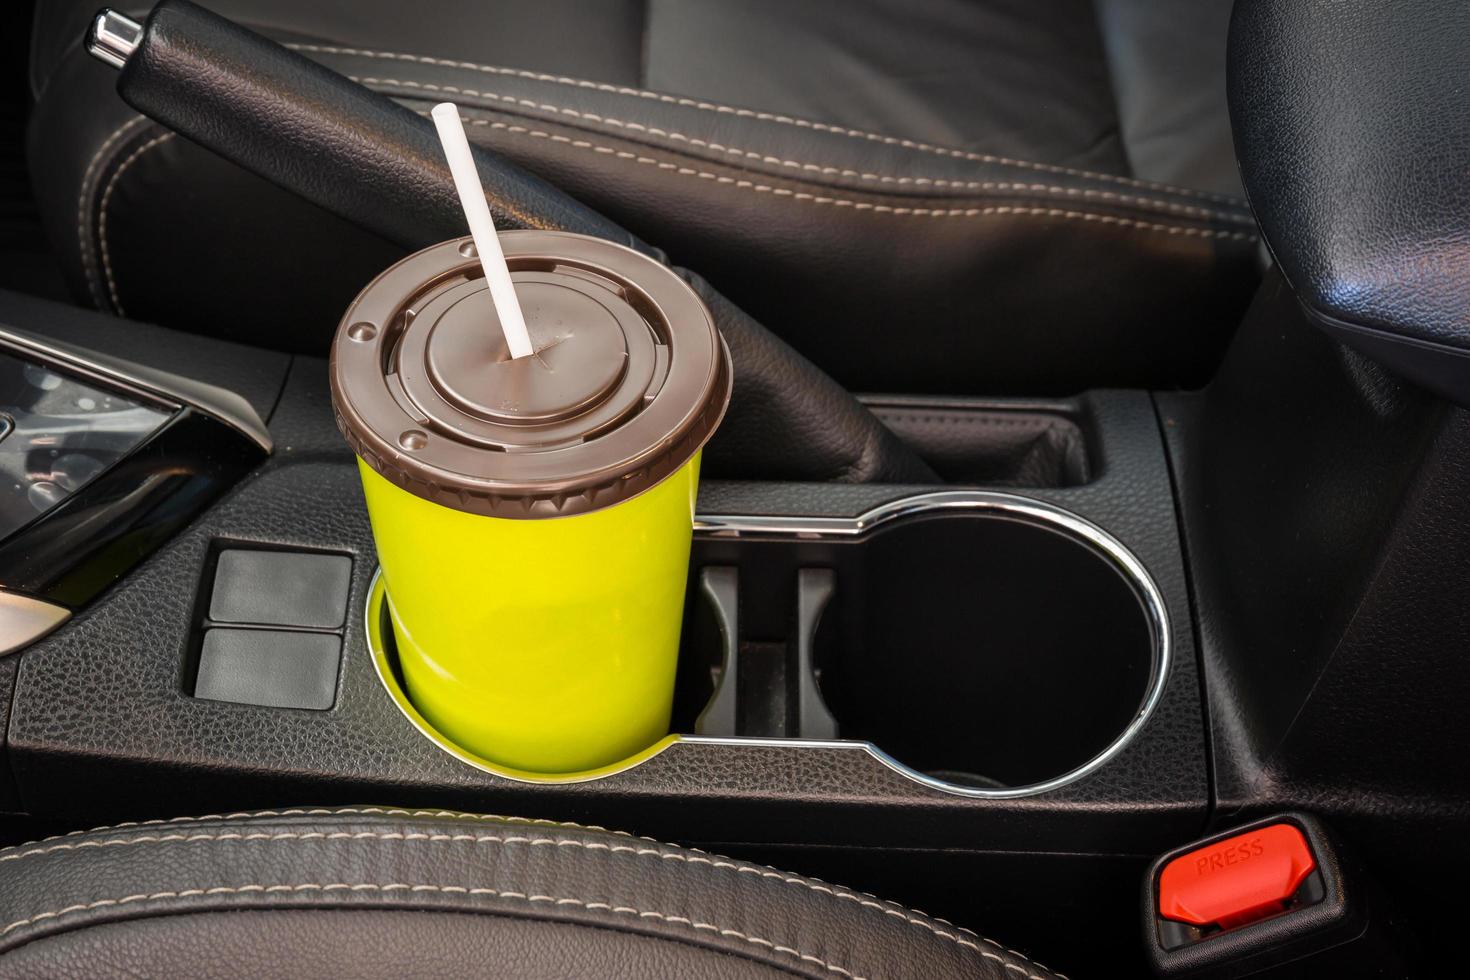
(113, 37)
(220, 403)
(1012, 506)
(25, 619)
(745, 525)
(1008, 505)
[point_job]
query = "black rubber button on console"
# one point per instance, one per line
(280, 588)
(273, 668)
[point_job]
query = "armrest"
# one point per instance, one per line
(1352, 127)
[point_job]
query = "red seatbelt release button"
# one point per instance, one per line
(1237, 880)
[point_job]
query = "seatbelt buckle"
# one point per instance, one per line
(1249, 899)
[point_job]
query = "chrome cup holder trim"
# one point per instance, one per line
(1004, 505)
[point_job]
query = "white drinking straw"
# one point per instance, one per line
(482, 228)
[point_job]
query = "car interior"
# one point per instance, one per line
(1081, 557)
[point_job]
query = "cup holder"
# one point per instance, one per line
(983, 644)
(986, 650)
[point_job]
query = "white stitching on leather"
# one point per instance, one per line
(973, 212)
(445, 890)
(102, 216)
(887, 907)
(320, 812)
(769, 117)
(1107, 196)
(640, 852)
(83, 193)
(758, 188)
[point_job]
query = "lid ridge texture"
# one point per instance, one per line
(629, 379)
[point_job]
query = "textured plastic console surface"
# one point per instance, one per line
(102, 727)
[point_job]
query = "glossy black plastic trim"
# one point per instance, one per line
(155, 387)
(95, 536)
(1440, 368)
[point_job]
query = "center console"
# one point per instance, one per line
(1049, 639)
(1007, 665)
(101, 461)
(909, 687)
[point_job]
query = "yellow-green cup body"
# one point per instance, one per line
(544, 645)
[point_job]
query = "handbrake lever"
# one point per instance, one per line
(314, 132)
(377, 163)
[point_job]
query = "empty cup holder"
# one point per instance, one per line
(982, 643)
(985, 651)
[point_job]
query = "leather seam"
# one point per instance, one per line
(637, 852)
(131, 158)
(959, 419)
(883, 904)
(768, 117)
(453, 814)
(672, 135)
(391, 887)
(372, 811)
(738, 183)
(1382, 334)
(970, 212)
(84, 196)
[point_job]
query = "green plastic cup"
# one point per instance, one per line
(533, 516)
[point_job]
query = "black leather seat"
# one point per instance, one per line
(375, 892)
(1040, 196)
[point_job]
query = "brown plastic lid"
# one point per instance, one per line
(629, 379)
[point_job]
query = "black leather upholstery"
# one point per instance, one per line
(789, 421)
(332, 141)
(999, 77)
(1167, 73)
(950, 203)
(376, 892)
(365, 157)
(1353, 125)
